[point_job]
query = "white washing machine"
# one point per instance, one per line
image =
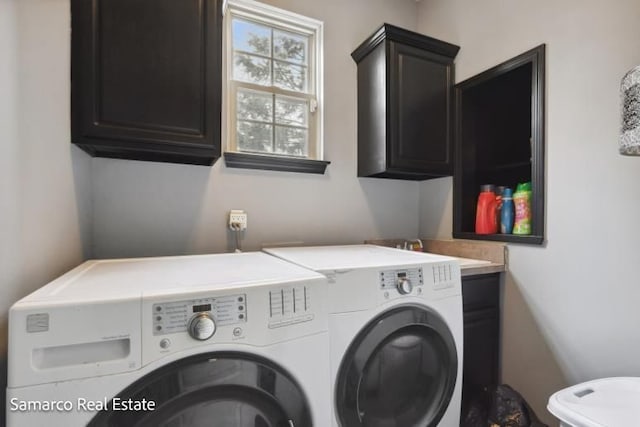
(232, 340)
(395, 327)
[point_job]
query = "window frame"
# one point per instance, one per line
(275, 18)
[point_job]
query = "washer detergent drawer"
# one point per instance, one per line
(67, 342)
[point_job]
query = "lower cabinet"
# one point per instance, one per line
(481, 365)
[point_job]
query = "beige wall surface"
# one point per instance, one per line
(44, 183)
(9, 215)
(570, 309)
(49, 188)
(145, 209)
(60, 207)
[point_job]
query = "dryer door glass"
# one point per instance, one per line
(213, 389)
(399, 371)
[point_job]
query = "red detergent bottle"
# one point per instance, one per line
(487, 211)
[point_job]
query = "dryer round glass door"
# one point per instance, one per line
(212, 389)
(400, 370)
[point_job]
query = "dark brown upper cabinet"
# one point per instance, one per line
(146, 79)
(499, 139)
(405, 100)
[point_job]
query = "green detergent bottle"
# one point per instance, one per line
(522, 205)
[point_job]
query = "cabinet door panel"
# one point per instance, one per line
(481, 292)
(481, 359)
(135, 62)
(481, 347)
(146, 79)
(421, 128)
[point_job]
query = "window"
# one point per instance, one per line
(274, 82)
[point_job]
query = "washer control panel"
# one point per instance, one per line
(404, 281)
(175, 317)
(289, 305)
(443, 276)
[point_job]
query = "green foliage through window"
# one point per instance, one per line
(270, 121)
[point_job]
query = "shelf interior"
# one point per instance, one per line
(499, 140)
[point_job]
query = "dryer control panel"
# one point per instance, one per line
(403, 280)
(173, 317)
(417, 281)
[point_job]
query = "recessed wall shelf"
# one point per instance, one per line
(499, 139)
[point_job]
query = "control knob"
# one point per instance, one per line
(404, 286)
(202, 326)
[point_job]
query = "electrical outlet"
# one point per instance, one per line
(237, 220)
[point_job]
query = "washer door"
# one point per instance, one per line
(399, 371)
(213, 389)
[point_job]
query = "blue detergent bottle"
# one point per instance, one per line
(507, 212)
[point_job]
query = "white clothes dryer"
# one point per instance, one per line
(233, 340)
(395, 327)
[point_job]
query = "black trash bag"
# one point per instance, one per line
(500, 406)
(509, 409)
(476, 414)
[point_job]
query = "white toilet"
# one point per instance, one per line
(607, 402)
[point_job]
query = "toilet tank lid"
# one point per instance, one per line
(599, 403)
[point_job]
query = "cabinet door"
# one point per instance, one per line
(481, 345)
(421, 106)
(481, 360)
(146, 79)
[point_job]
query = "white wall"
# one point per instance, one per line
(145, 209)
(571, 306)
(9, 214)
(44, 183)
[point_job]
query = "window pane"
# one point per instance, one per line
(292, 77)
(291, 141)
(251, 69)
(256, 137)
(290, 47)
(271, 82)
(254, 105)
(291, 111)
(251, 37)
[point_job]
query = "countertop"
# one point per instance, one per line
(475, 257)
(472, 267)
